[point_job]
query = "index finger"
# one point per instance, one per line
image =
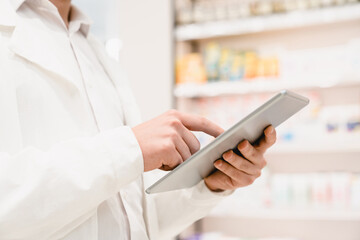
(198, 123)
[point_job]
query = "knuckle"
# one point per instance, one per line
(174, 122)
(248, 180)
(175, 161)
(173, 165)
(167, 146)
(238, 184)
(173, 112)
(238, 176)
(173, 135)
(252, 153)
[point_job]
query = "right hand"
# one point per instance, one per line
(167, 140)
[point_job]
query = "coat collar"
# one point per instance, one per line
(8, 10)
(25, 43)
(7, 14)
(16, 3)
(33, 40)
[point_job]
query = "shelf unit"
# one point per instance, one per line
(306, 158)
(283, 228)
(254, 86)
(293, 214)
(325, 147)
(319, 155)
(244, 26)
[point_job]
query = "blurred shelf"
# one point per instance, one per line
(316, 148)
(320, 156)
(294, 214)
(273, 22)
(254, 86)
(312, 227)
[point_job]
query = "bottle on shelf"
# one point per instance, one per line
(200, 11)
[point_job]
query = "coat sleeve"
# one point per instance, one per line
(169, 213)
(41, 191)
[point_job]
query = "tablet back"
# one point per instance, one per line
(273, 112)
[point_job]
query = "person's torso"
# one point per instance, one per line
(61, 91)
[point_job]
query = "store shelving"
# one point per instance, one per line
(318, 151)
(293, 214)
(318, 148)
(254, 86)
(308, 229)
(296, 19)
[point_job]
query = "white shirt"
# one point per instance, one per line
(71, 167)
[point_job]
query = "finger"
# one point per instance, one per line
(252, 154)
(189, 138)
(172, 162)
(197, 123)
(218, 181)
(241, 163)
(182, 148)
(267, 140)
(237, 178)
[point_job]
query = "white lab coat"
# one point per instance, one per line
(57, 175)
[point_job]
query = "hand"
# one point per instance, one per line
(166, 141)
(235, 171)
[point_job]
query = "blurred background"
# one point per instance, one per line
(222, 59)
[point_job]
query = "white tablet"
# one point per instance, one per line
(201, 164)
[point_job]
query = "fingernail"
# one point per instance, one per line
(242, 145)
(227, 155)
(271, 130)
(268, 131)
(218, 163)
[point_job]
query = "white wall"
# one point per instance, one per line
(104, 16)
(146, 31)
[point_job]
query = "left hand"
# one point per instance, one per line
(235, 171)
